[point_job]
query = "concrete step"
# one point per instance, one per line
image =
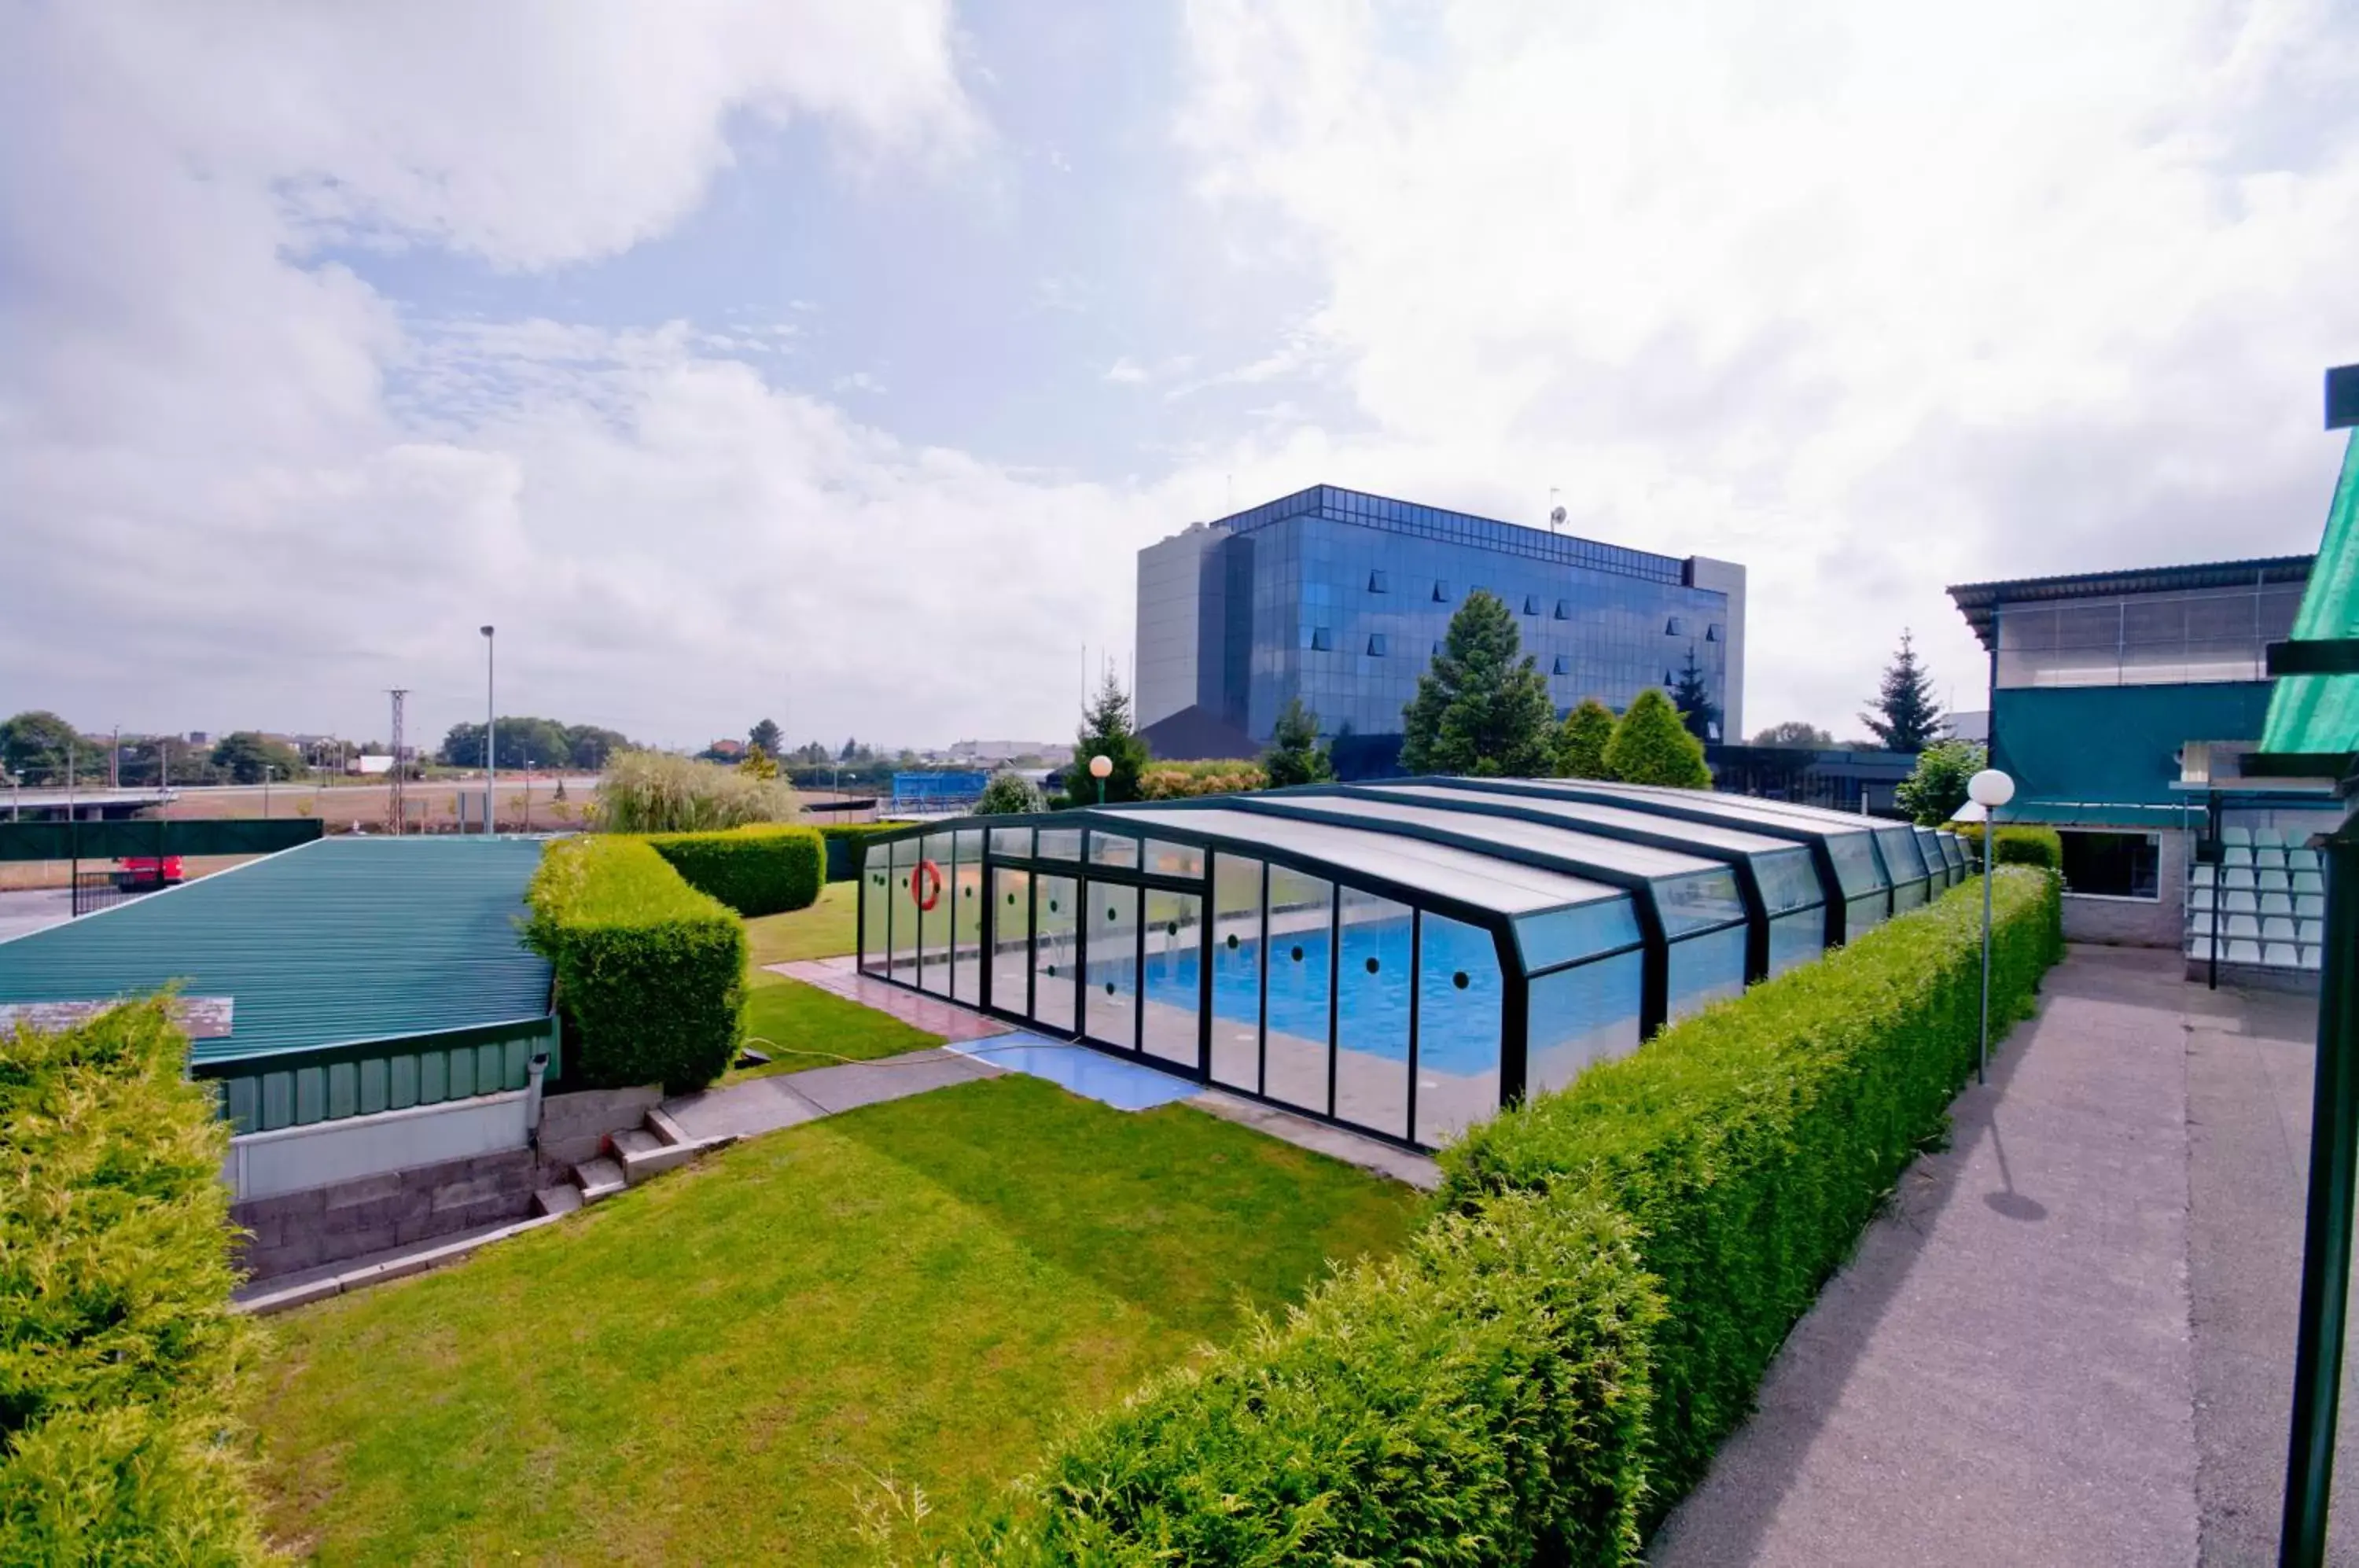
(600, 1178)
(642, 1154)
(561, 1199)
(663, 1127)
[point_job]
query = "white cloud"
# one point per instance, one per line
(1123, 372)
(242, 487)
(1871, 299)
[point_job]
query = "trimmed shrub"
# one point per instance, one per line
(1480, 1399)
(1751, 1143)
(1582, 740)
(847, 844)
(118, 1350)
(1009, 794)
(2023, 844)
(649, 970)
(1184, 780)
(762, 870)
(1650, 744)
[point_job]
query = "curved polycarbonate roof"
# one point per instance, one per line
(1578, 811)
(1465, 874)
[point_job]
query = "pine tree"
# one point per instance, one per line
(1693, 696)
(1650, 746)
(1106, 732)
(1582, 739)
(765, 739)
(1295, 756)
(1906, 717)
(1482, 708)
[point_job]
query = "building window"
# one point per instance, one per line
(1322, 640)
(1437, 650)
(2113, 865)
(1563, 665)
(1531, 603)
(1440, 591)
(1712, 632)
(1376, 583)
(1564, 609)
(1376, 644)
(1675, 627)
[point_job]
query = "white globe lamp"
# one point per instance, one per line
(1990, 790)
(1102, 769)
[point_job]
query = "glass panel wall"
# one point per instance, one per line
(1059, 844)
(1166, 859)
(1112, 849)
(1055, 919)
(1170, 1015)
(930, 897)
(1587, 1013)
(1705, 968)
(1373, 985)
(1011, 940)
(875, 904)
(1294, 1060)
(1460, 997)
(1796, 939)
(1012, 844)
(902, 914)
(1563, 934)
(1111, 996)
(1865, 912)
(966, 917)
(1237, 972)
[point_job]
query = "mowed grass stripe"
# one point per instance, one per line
(720, 1366)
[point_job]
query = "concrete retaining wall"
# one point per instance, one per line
(574, 1127)
(370, 1213)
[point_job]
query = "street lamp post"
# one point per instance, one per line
(528, 794)
(1101, 769)
(1990, 790)
(267, 771)
(491, 777)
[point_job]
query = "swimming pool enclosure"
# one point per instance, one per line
(1401, 957)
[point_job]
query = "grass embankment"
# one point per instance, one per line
(724, 1365)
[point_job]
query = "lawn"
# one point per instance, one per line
(727, 1364)
(828, 929)
(800, 1026)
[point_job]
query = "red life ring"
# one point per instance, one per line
(926, 885)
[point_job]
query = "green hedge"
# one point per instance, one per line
(1751, 1143)
(847, 843)
(2024, 843)
(765, 869)
(650, 971)
(1481, 1398)
(118, 1350)
(1607, 1274)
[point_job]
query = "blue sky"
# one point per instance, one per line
(832, 363)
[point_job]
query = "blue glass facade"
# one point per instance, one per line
(1341, 598)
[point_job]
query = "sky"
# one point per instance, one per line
(831, 363)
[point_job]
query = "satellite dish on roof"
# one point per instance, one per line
(1556, 519)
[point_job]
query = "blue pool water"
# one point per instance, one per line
(1457, 1025)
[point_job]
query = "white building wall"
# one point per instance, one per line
(1727, 577)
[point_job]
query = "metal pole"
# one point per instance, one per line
(266, 771)
(1990, 832)
(2326, 1239)
(491, 776)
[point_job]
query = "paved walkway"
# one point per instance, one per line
(842, 976)
(785, 1100)
(2009, 1370)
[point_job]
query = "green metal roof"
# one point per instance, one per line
(2320, 713)
(344, 940)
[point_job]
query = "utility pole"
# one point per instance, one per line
(114, 760)
(397, 807)
(491, 775)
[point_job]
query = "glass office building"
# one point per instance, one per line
(1402, 958)
(1341, 598)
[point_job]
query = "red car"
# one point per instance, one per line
(147, 871)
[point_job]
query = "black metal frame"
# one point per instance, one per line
(1515, 1004)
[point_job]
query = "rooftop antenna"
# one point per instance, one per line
(1556, 512)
